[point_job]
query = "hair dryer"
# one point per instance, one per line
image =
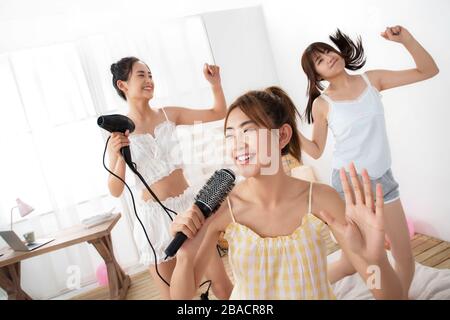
(121, 123)
(118, 123)
(207, 200)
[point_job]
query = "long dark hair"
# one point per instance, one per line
(270, 108)
(351, 52)
(121, 70)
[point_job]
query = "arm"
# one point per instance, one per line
(116, 162)
(186, 116)
(331, 202)
(362, 236)
(195, 254)
(316, 146)
(340, 269)
(425, 65)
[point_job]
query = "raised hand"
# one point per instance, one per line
(212, 74)
(363, 233)
(397, 34)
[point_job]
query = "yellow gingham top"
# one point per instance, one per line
(284, 267)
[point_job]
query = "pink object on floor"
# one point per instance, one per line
(102, 274)
(410, 227)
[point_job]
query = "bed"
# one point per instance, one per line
(428, 284)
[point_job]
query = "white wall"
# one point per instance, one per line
(416, 115)
(241, 47)
(29, 23)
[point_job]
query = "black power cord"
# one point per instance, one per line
(135, 212)
(152, 193)
(203, 296)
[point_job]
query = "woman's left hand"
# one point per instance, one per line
(397, 34)
(363, 234)
(212, 74)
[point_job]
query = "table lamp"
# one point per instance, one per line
(24, 209)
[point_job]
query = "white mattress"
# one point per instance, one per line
(428, 284)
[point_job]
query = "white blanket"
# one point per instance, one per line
(428, 284)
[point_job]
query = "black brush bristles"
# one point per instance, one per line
(215, 191)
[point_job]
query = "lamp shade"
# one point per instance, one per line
(24, 208)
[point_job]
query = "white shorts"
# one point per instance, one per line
(157, 224)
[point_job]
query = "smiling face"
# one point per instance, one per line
(320, 61)
(241, 134)
(327, 63)
(254, 149)
(140, 83)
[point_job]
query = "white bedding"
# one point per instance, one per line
(428, 284)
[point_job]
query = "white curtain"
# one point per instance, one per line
(51, 145)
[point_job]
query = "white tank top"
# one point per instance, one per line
(359, 129)
(156, 156)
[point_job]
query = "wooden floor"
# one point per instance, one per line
(427, 251)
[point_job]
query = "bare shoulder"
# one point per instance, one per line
(375, 78)
(325, 193)
(297, 184)
(320, 107)
(325, 197)
(171, 112)
(323, 190)
(296, 188)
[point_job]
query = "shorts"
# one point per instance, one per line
(157, 224)
(391, 192)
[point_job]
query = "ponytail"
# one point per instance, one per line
(353, 53)
(313, 93)
(314, 80)
(290, 110)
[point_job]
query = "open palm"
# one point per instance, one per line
(363, 233)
